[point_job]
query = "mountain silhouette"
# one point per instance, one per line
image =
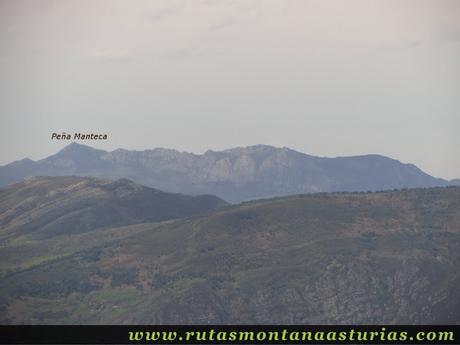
(235, 175)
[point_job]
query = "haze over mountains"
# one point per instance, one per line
(234, 175)
(348, 258)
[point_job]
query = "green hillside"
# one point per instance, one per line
(389, 257)
(44, 207)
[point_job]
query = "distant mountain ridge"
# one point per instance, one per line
(455, 182)
(236, 175)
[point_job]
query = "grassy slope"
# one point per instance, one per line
(329, 258)
(44, 207)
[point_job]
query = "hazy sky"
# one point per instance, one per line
(328, 78)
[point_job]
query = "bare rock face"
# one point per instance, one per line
(236, 175)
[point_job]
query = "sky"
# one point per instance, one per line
(328, 78)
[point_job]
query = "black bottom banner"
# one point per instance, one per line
(260, 334)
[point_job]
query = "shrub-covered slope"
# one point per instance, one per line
(389, 257)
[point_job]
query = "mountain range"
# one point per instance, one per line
(325, 258)
(98, 247)
(235, 175)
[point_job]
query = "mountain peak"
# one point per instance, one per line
(22, 162)
(455, 182)
(76, 147)
(78, 152)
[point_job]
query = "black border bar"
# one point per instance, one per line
(321, 334)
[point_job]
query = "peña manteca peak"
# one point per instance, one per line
(236, 174)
